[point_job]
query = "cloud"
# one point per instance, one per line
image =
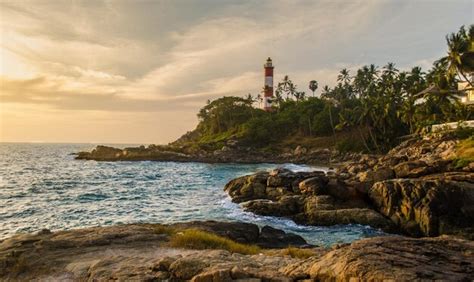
(165, 56)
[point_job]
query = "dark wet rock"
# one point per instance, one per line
(412, 169)
(246, 233)
(285, 206)
(274, 238)
(247, 188)
(241, 232)
(317, 185)
(362, 216)
(423, 207)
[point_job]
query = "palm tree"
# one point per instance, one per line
(313, 86)
(327, 95)
(460, 57)
(343, 76)
(259, 99)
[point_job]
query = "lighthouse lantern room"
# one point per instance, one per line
(268, 86)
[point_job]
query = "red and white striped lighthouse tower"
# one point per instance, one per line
(268, 87)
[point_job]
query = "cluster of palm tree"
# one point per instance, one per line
(379, 104)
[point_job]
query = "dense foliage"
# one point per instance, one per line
(379, 104)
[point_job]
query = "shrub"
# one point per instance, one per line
(463, 132)
(198, 239)
(350, 145)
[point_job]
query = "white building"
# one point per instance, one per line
(468, 98)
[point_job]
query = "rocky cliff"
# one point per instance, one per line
(417, 189)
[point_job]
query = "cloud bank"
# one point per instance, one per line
(157, 62)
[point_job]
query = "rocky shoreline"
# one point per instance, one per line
(141, 252)
(418, 191)
(231, 153)
(415, 190)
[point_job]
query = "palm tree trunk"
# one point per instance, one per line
(363, 139)
(332, 125)
(373, 138)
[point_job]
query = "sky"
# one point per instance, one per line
(137, 72)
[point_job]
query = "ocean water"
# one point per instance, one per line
(42, 186)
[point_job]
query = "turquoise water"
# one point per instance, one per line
(42, 186)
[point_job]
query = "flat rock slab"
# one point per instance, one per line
(137, 253)
(398, 258)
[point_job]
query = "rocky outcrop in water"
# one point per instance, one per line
(230, 153)
(139, 252)
(415, 189)
(424, 207)
(306, 197)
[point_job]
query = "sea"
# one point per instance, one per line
(43, 186)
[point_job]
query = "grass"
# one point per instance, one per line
(298, 253)
(198, 239)
(163, 229)
(464, 152)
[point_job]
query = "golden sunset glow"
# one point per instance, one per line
(85, 71)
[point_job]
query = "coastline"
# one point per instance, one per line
(386, 192)
(145, 252)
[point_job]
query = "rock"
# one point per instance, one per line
(362, 216)
(412, 169)
(247, 187)
(397, 259)
(241, 232)
(163, 264)
(314, 186)
(340, 190)
(185, 268)
(220, 275)
(451, 176)
(275, 238)
(427, 207)
(324, 202)
(135, 252)
(275, 193)
(380, 174)
(281, 177)
(285, 206)
(300, 151)
(246, 233)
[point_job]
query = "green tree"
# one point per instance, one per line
(313, 86)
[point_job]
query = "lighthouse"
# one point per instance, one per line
(268, 86)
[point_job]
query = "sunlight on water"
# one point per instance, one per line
(42, 186)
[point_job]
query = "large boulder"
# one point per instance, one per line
(362, 216)
(326, 210)
(274, 238)
(314, 185)
(247, 187)
(285, 206)
(396, 258)
(282, 177)
(412, 169)
(423, 207)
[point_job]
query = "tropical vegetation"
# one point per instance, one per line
(378, 105)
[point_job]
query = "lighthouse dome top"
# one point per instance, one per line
(269, 62)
